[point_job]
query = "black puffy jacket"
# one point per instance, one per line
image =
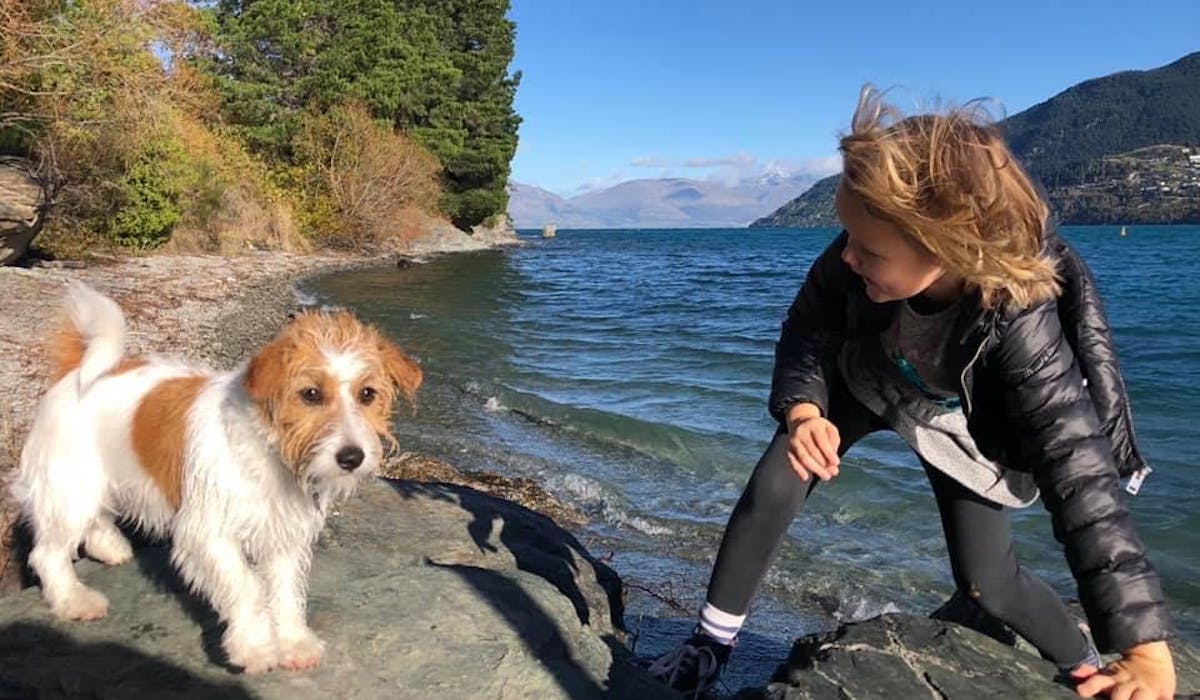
(1028, 407)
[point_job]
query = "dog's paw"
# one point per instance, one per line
(302, 652)
(253, 656)
(109, 548)
(82, 603)
(255, 661)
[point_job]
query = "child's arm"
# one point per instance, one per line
(1081, 311)
(806, 354)
(1073, 463)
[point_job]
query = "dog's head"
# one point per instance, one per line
(325, 387)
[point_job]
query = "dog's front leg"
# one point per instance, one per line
(286, 574)
(213, 564)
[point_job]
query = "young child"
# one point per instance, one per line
(949, 312)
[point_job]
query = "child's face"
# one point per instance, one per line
(892, 267)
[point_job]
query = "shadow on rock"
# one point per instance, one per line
(37, 661)
(537, 543)
(154, 561)
(540, 547)
(15, 573)
(537, 630)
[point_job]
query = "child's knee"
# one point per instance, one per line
(997, 600)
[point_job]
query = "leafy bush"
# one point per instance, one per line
(149, 195)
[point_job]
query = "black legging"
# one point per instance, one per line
(977, 537)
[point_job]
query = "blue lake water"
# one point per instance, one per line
(627, 371)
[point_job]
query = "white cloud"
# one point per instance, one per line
(737, 160)
(816, 167)
(730, 170)
(650, 162)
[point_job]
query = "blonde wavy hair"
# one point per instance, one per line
(949, 182)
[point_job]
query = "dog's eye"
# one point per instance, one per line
(311, 396)
(366, 395)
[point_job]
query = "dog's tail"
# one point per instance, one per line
(90, 338)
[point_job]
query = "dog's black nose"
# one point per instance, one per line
(349, 457)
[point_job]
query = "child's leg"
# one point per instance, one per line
(985, 568)
(769, 503)
(755, 531)
(753, 536)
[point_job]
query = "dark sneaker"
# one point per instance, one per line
(694, 667)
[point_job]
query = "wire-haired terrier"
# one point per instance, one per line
(238, 468)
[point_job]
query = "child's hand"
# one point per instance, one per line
(812, 444)
(1144, 672)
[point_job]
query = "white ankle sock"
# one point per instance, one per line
(719, 624)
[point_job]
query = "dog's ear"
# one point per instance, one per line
(403, 371)
(266, 374)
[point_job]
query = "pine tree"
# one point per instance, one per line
(478, 153)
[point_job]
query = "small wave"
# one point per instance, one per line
(701, 451)
(639, 524)
(414, 316)
(846, 592)
(593, 495)
(303, 298)
(857, 608)
(583, 489)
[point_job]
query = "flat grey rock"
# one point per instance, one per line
(419, 591)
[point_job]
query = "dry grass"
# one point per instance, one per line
(246, 220)
(232, 206)
(64, 239)
(369, 175)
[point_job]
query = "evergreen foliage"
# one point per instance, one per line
(1060, 137)
(437, 70)
(813, 208)
(234, 124)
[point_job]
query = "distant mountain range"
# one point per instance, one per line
(1121, 149)
(657, 203)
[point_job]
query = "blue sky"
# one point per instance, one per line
(616, 90)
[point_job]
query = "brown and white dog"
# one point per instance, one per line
(239, 469)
